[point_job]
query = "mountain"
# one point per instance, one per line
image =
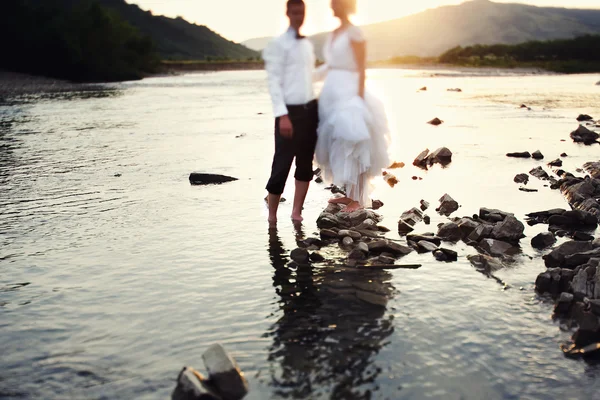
(434, 31)
(177, 39)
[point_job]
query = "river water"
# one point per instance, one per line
(115, 272)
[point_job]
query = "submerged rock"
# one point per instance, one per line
(301, 256)
(197, 178)
(445, 255)
(497, 248)
(524, 154)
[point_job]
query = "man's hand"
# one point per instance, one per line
(285, 127)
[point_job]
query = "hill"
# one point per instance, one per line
(434, 31)
(177, 39)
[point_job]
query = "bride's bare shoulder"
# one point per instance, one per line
(356, 34)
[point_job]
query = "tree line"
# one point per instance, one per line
(79, 41)
(564, 55)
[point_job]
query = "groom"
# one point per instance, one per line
(290, 62)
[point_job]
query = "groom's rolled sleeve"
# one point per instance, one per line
(274, 56)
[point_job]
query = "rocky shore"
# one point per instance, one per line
(17, 84)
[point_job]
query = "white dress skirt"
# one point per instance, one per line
(353, 134)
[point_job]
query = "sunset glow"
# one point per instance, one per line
(241, 20)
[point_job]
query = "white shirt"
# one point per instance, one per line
(290, 65)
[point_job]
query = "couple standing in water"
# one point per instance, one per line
(346, 130)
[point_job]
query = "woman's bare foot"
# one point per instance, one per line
(272, 221)
(297, 217)
(353, 206)
(340, 200)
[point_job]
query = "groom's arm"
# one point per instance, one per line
(274, 56)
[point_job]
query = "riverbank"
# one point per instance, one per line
(18, 84)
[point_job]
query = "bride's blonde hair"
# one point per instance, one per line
(351, 6)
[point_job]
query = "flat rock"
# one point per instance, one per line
(436, 122)
(485, 263)
(543, 240)
(481, 232)
(523, 154)
(349, 233)
(386, 246)
(328, 234)
(197, 178)
(224, 373)
(428, 238)
(426, 247)
(497, 248)
(445, 255)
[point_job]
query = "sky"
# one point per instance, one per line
(239, 20)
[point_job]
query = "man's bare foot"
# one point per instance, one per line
(353, 206)
(340, 200)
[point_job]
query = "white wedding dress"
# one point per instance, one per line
(353, 135)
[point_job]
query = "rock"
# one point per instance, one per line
(436, 122)
(426, 237)
(347, 242)
(522, 189)
(441, 156)
(556, 163)
(584, 135)
(412, 216)
(317, 258)
(445, 255)
(557, 257)
(563, 305)
(488, 214)
(397, 165)
(523, 106)
(543, 240)
(423, 89)
(563, 155)
(537, 155)
(376, 204)
(328, 234)
(356, 254)
(577, 259)
(372, 298)
(524, 154)
(450, 232)
(224, 373)
(390, 179)
(467, 226)
(584, 117)
(497, 248)
(424, 205)
(404, 227)
(427, 219)
(368, 224)
(481, 232)
(328, 221)
(510, 230)
(447, 205)
(539, 173)
(197, 178)
(318, 179)
(300, 256)
(386, 259)
(522, 178)
(485, 263)
(348, 233)
(363, 247)
(386, 246)
(426, 247)
(582, 236)
(420, 161)
(595, 306)
(543, 282)
(458, 90)
(191, 385)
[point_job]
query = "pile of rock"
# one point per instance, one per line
(225, 381)
(574, 223)
(583, 193)
(493, 232)
(442, 156)
(358, 235)
(573, 279)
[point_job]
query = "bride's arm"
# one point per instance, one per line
(359, 47)
(320, 73)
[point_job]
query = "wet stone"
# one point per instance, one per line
(563, 304)
(522, 178)
(543, 240)
(301, 256)
(191, 385)
(317, 257)
(537, 155)
(426, 247)
(224, 373)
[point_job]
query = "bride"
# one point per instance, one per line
(353, 134)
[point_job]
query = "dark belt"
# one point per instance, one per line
(301, 107)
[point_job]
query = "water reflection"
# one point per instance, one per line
(333, 324)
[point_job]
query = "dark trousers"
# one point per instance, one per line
(305, 120)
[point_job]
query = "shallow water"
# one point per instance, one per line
(115, 272)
